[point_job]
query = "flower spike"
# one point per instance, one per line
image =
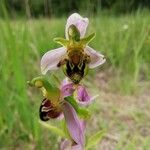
(68, 99)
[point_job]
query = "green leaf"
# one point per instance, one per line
(54, 129)
(94, 139)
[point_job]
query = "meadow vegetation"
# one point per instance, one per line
(122, 109)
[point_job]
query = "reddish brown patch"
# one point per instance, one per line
(47, 110)
(75, 59)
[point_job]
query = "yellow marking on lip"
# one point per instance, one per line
(38, 84)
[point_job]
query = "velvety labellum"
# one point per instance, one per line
(48, 111)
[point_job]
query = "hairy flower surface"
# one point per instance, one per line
(75, 56)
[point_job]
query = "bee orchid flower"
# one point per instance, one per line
(58, 101)
(75, 54)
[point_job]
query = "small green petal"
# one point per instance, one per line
(40, 82)
(87, 39)
(73, 33)
(61, 41)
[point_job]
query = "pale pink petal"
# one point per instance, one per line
(65, 81)
(51, 59)
(82, 94)
(67, 89)
(88, 102)
(73, 124)
(80, 22)
(96, 58)
(60, 117)
(77, 147)
(83, 125)
(65, 144)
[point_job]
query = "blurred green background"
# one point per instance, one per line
(27, 29)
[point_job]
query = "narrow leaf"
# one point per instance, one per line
(54, 129)
(94, 139)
